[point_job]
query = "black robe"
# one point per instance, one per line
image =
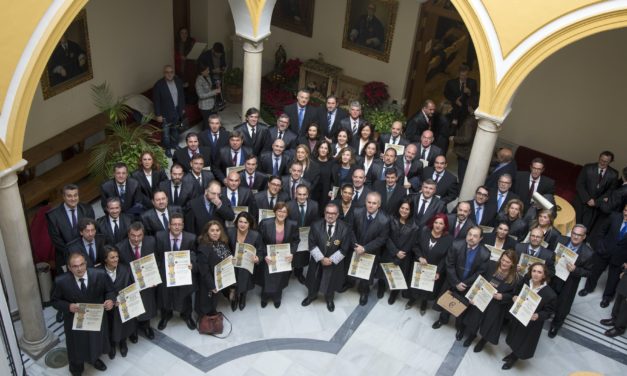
(327, 279)
(149, 295)
(207, 259)
(434, 256)
(403, 237)
(245, 280)
(276, 282)
(320, 191)
(118, 330)
(175, 298)
(83, 346)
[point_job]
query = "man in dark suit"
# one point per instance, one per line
(420, 121)
(232, 155)
(301, 114)
(304, 212)
(354, 121)
(237, 194)
(255, 134)
(113, 225)
(126, 188)
(465, 261)
(281, 131)
(566, 290)
(505, 164)
(135, 247)
(329, 244)
(618, 319)
(184, 156)
(529, 182)
(158, 219)
(535, 248)
(377, 171)
(198, 177)
(253, 179)
(205, 208)
(274, 162)
(179, 192)
(446, 184)
(215, 138)
(175, 298)
(330, 118)
(268, 198)
(426, 204)
(594, 181)
(168, 96)
(83, 285)
(426, 150)
(610, 252)
(371, 228)
(459, 223)
(395, 137)
(89, 244)
(392, 193)
(360, 190)
(459, 91)
(411, 168)
(500, 196)
(482, 212)
(290, 182)
(63, 223)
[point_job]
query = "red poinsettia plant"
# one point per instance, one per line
(375, 93)
(291, 69)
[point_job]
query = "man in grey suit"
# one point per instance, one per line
(281, 131)
(353, 122)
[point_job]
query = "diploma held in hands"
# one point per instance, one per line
(525, 306)
(495, 253)
(265, 213)
(236, 210)
(423, 277)
(245, 257)
(146, 272)
(303, 245)
(394, 275)
(279, 253)
(177, 267)
(481, 293)
(88, 317)
(361, 265)
(130, 303)
(400, 149)
(526, 260)
(224, 273)
(237, 169)
(563, 257)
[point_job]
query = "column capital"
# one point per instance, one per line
(252, 46)
(252, 18)
(488, 122)
(19, 166)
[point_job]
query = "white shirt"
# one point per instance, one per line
(112, 274)
(111, 219)
(160, 216)
(78, 283)
(427, 203)
(536, 290)
(68, 212)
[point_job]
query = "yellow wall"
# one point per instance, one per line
(128, 51)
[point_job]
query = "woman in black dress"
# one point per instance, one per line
(544, 220)
(369, 157)
(343, 141)
(399, 247)
(244, 232)
(345, 203)
(524, 340)
(277, 230)
(149, 174)
(518, 228)
(311, 171)
(500, 238)
(433, 244)
(311, 138)
(503, 277)
(324, 160)
(342, 169)
(366, 134)
(121, 277)
(213, 247)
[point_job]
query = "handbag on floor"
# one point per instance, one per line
(213, 325)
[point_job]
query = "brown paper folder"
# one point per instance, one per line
(450, 303)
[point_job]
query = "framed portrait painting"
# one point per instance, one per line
(369, 27)
(70, 62)
(294, 15)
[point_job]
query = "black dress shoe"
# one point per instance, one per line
(330, 305)
(150, 334)
(509, 364)
(605, 302)
(163, 323)
(111, 351)
(380, 290)
(437, 324)
(133, 338)
(191, 324)
(423, 307)
(480, 345)
(301, 278)
(583, 292)
(607, 322)
(242, 301)
(307, 301)
(264, 303)
(410, 303)
(508, 357)
(123, 349)
(392, 298)
(277, 304)
(459, 335)
(99, 365)
(553, 331)
(468, 341)
(234, 305)
(614, 332)
(59, 317)
(363, 299)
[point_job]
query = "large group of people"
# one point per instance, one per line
(322, 168)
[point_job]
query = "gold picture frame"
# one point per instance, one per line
(369, 27)
(319, 78)
(295, 16)
(348, 89)
(70, 63)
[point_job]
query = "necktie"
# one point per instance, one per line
(329, 123)
(175, 245)
(122, 193)
(478, 214)
(531, 251)
(176, 195)
(423, 154)
(254, 133)
(393, 140)
(429, 121)
(389, 195)
(92, 254)
(368, 222)
(235, 158)
(301, 115)
(623, 231)
(138, 254)
(330, 230)
(354, 126)
(73, 218)
(233, 199)
(165, 221)
(215, 138)
(83, 287)
(383, 170)
(601, 171)
(294, 184)
(271, 202)
(275, 167)
(356, 197)
(458, 228)
(116, 229)
(532, 188)
(422, 208)
(407, 167)
(250, 181)
(280, 135)
(437, 177)
(302, 215)
(500, 200)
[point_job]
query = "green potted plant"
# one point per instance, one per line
(233, 84)
(382, 118)
(123, 142)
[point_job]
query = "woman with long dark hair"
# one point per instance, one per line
(324, 161)
(149, 173)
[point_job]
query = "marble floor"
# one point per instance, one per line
(376, 339)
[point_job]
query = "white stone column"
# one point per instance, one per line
(482, 149)
(252, 75)
(36, 339)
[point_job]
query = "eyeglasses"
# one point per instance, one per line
(576, 234)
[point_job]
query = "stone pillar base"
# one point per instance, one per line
(39, 348)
